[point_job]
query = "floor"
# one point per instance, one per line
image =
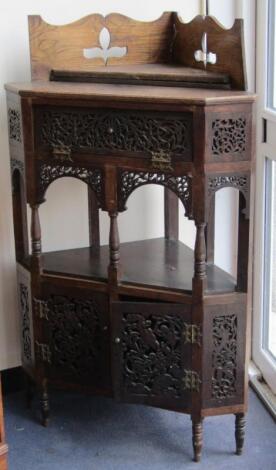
(98, 434)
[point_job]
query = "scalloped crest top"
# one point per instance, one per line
(96, 41)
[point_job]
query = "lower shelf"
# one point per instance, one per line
(156, 263)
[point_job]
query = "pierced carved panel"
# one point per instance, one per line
(25, 322)
(240, 181)
(110, 130)
(180, 185)
(229, 136)
(14, 123)
(77, 338)
(151, 355)
(92, 176)
(224, 357)
(17, 165)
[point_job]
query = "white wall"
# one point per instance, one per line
(14, 66)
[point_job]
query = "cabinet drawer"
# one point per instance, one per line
(152, 354)
(64, 130)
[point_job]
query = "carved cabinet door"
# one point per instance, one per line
(151, 353)
(76, 332)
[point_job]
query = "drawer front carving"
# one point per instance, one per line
(152, 354)
(64, 131)
(77, 337)
(224, 355)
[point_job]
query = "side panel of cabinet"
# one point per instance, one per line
(76, 333)
(224, 338)
(150, 354)
(26, 316)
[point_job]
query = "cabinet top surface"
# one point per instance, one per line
(127, 93)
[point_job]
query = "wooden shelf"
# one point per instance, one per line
(156, 263)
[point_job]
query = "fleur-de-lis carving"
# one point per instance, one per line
(104, 52)
(203, 55)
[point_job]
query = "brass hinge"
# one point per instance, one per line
(43, 352)
(192, 334)
(62, 152)
(191, 381)
(161, 161)
(41, 308)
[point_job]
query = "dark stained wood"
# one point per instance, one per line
(171, 215)
(86, 307)
(20, 216)
(150, 74)
(3, 445)
(93, 218)
(197, 439)
(156, 262)
(226, 43)
(239, 432)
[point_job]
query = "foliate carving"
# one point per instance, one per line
(92, 176)
(191, 381)
(76, 339)
(107, 130)
(180, 185)
(240, 182)
(14, 122)
(151, 349)
(43, 352)
(229, 136)
(224, 356)
(25, 322)
(192, 334)
(17, 165)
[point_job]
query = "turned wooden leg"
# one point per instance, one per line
(29, 391)
(44, 405)
(239, 432)
(197, 439)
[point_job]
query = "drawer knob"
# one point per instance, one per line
(117, 340)
(110, 130)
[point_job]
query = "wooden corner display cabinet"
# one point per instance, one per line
(119, 104)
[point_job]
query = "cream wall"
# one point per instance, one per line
(64, 215)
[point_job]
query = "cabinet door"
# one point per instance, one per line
(76, 333)
(151, 353)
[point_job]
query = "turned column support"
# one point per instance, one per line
(239, 432)
(114, 247)
(44, 403)
(199, 280)
(197, 439)
(35, 236)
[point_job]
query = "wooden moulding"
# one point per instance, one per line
(166, 41)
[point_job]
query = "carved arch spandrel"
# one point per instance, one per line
(239, 181)
(93, 177)
(128, 181)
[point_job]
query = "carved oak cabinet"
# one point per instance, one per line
(152, 321)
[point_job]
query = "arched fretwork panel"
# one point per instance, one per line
(64, 215)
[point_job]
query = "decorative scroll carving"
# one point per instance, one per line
(14, 125)
(192, 334)
(229, 136)
(151, 349)
(191, 381)
(76, 339)
(93, 177)
(180, 185)
(25, 322)
(224, 356)
(107, 130)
